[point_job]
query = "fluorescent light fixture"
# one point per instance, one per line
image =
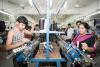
(97, 12)
(65, 4)
(89, 15)
(3, 12)
(50, 3)
(31, 2)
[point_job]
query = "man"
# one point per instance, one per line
(69, 32)
(76, 30)
(16, 38)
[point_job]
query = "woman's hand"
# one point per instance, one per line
(84, 46)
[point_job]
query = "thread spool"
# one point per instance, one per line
(41, 23)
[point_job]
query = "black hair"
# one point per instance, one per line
(69, 24)
(78, 22)
(22, 19)
(85, 25)
(2, 26)
(28, 28)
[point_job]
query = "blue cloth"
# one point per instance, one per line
(20, 57)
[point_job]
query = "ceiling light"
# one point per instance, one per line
(50, 3)
(94, 13)
(31, 2)
(77, 5)
(3, 12)
(65, 4)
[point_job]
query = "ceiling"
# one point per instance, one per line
(57, 7)
(56, 4)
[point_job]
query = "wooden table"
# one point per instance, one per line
(54, 56)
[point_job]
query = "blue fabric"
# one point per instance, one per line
(20, 57)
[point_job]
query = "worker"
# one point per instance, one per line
(69, 32)
(85, 41)
(16, 37)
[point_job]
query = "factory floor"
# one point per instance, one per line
(9, 63)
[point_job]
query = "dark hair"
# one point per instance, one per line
(86, 25)
(78, 22)
(22, 19)
(2, 26)
(28, 28)
(69, 24)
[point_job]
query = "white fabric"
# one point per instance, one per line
(70, 32)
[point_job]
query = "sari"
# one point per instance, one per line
(89, 39)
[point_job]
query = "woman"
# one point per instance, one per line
(85, 41)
